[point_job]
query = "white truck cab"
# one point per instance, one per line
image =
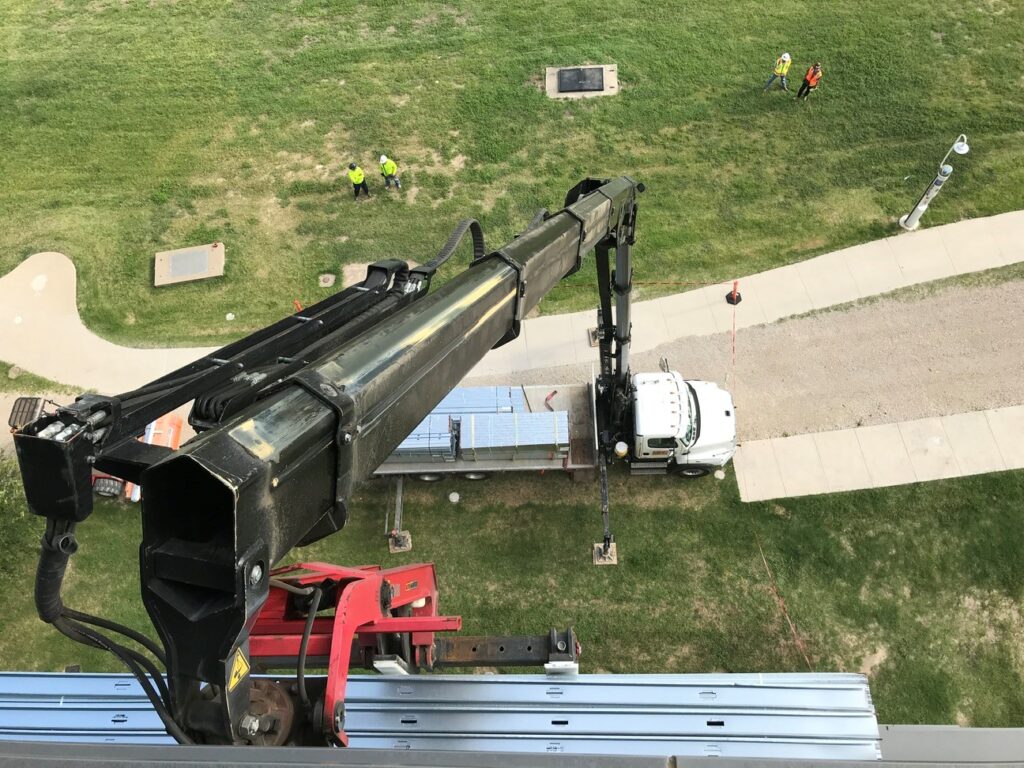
(688, 425)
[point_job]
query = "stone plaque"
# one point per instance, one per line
(197, 262)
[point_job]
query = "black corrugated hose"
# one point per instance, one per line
(57, 546)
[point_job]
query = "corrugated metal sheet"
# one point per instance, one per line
(462, 400)
(433, 440)
(515, 435)
(808, 716)
(486, 423)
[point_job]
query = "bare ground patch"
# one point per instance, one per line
(959, 349)
(874, 660)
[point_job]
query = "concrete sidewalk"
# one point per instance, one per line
(833, 278)
(42, 331)
(883, 455)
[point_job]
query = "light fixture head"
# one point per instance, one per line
(960, 146)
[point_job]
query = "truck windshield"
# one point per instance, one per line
(693, 427)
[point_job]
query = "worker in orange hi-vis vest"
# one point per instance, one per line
(811, 80)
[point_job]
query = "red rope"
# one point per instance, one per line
(778, 599)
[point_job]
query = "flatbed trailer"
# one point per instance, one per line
(577, 400)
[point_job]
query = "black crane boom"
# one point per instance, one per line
(293, 417)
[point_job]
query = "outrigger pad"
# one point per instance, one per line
(399, 541)
(600, 558)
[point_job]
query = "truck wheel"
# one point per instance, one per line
(475, 475)
(428, 477)
(691, 470)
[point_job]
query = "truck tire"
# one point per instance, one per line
(428, 477)
(690, 470)
(475, 476)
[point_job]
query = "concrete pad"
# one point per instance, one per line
(873, 268)
(550, 342)
(827, 280)
(689, 314)
(971, 246)
(580, 324)
(922, 256)
(781, 292)
(758, 472)
(1007, 232)
(799, 464)
(929, 449)
(649, 326)
(353, 273)
(974, 445)
(611, 82)
(1007, 425)
(842, 460)
(881, 455)
(510, 357)
(885, 455)
(182, 265)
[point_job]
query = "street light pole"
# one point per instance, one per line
(911, 220)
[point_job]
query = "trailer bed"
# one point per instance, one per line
(576, 399)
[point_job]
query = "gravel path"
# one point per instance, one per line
(958, 349)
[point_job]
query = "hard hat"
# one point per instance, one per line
(785, 57)
(352, 166)
(383, 158)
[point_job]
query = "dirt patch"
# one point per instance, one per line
(445, 13)
(235, 207)
(874, 660)
(426, 21)
(488, 199)
(958, 349)
(812, 244)
(412, 154)
(399, 101)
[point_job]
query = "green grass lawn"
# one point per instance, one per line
(26, 383)
(923, 581)
(134, 127)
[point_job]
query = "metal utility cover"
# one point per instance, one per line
(197, 262)
(577, 79)
(581, 82)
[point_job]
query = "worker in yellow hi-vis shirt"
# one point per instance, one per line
(358, 179)
(781, 70)
(389, 170)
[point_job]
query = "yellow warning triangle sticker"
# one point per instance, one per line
(239, 669)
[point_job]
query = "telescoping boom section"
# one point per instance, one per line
(276, 463)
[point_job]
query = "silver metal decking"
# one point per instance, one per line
(806, 716)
